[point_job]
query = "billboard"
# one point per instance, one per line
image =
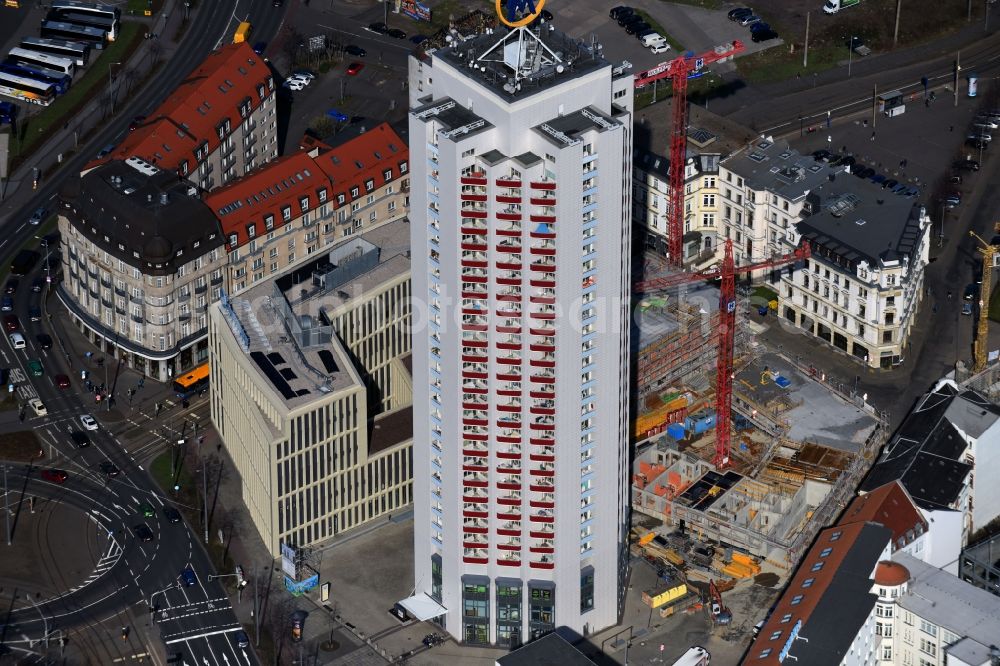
(288, 561)
(300, 587)
(415, 10)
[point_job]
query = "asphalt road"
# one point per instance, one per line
(197, 622)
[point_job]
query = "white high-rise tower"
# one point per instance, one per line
(521, 147)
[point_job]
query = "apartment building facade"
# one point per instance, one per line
(285, 213)
(217, 125)
(143, 259)
(861, 290)
(521, 208)
(298, 402)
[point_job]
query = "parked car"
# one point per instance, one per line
(739, 13)
(337, 115)
(635, 28)
(306, 75)
(136, 121)
(7, 304)
(857, 45)
(379, 27)
(763, 35)
(760, 25)
(354, 68)
(241, 639)
(617, 12)
(967, 308)
(105, 151)
(259, 48)
(889, 184)
(396, 33)
(749, 20)
(981, 143)
(294, 84)
(660, 47)
(625, 19)
(966, 165)
(355, 51)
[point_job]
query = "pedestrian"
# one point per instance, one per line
(864, 122)
(951, 128)
(873, 135)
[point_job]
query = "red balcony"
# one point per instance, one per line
(469, 499)
(538, 201)
(541, 535)
(541, 300)
(475, 295)
(508, 455)
(509, 298)
(543, 268)
(475, 358)
(543, 392)
(467, 196)
(510, 265)
(513, 516)
(543, 472)
(541, 457)
(509, 345)
(543, 410)
(509, 392)
(474, 390)
(534, 315)
(509, 501)
(474, 231)
(539, 363)
(542, 282)
(513, 425)
(543, 332)
(474, 263)
(541, 519)
(509, 546)
(474, 422)
(468, 559)
(509, 329)
(474, 513)
(509, 439)
(506, 182)
(543, 426)
(542, 488)
(542, 549)
(509, 408)
(542, 186)
(472, 483)
(542, 441)
(467, 529)
(509, 361)
(509, 232)
(503, 215)
(479, 178)
(474, 246)
(475, 437)
(541, 504)
(476, 468)
(476, 545)
(507, 531)
(476, 214)
(504, 198)
(541, 347)
(543, 234)
(511, 281)
(478, 279)
(507, 468)
(533, 218)
(472, 374)
(473, 453)
(544, 251)
(508, 485)
(508, 248)
(510, 377)
(542, 565)
(509, 563)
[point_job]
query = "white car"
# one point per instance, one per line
(660, 48)
(305, 76)
(38, 406)
(88, 422)
(294, 84)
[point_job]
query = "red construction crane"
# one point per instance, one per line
(678, 70)
(727, 329)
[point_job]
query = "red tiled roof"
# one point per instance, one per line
(266, 191)
(365, 158)
(210, 95)
(891, 506)
(283, 182)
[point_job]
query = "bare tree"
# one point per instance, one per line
(278, 621)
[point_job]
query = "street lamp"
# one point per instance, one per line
(111, 86)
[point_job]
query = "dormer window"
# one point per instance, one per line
(369, 185)
(304, 204)
(387, 174)
(286, 213)
(341, 199)
(269, 222)
(251, 230)
(354, 192)
(321, 193)
(233, 240)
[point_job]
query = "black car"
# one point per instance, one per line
(396, 33)
(142, 532)
(822, 155)
(37, 284)
(763, 35)
(35, 313)
(635, 28)
(739, 13)
(963, 165)
(889, 184)
(619, 11)
(11, 286)
(866, 172)
(171, 514)
(757, 27)
(109, 469)
(545, 15)
(977, 142)
(80, 438)
(848, 160)
(379, 27)
(44, 340)
(640, 35)
(355, 51)
(628, 18)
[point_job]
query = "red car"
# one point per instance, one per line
(62, 381)
(55, 475)
(354, 68)
(11, 323)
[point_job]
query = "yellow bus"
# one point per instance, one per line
(192, 383)
(242, 33)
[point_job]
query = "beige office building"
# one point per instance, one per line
(318, 418)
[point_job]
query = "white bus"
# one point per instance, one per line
(78, 33)
(64, 65)
(696, 656)
(27, 90)
(89, 14)
(78, 52)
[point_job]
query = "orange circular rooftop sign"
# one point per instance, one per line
(528, 10)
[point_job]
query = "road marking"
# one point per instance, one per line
(207, 633)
